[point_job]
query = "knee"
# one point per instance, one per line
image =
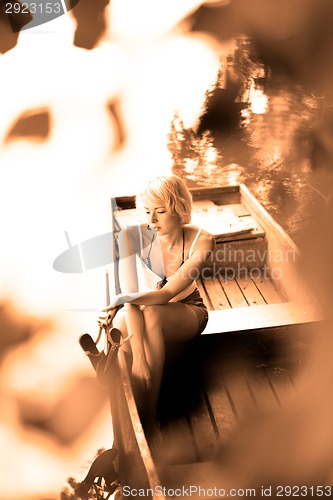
(152, 315)
(120, 322)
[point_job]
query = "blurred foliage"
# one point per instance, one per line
(194, 156)
(93, 488)
(266, 130)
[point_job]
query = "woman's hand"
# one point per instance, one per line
(141, 372)
(111, 310)
(115, 302)
(106, 321)
(122, 298)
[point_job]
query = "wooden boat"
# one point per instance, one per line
(260, 313)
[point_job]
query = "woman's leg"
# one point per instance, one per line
(119, 322)
(176, 326)
(131, 322)
(172, 322)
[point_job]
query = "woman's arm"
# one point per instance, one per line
(185, 275)
(128, 276)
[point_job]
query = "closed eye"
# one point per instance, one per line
(157, 211)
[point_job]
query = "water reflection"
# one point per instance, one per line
(265, 131)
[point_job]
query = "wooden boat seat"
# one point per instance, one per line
(225, 222)
(261, 316)
(251, 302)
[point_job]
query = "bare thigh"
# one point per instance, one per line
(119, 322)
(178, 321)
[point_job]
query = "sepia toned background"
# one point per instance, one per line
(94, 103)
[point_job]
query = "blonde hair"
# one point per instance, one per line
(172, 192)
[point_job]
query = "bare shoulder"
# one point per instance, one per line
(205, 240)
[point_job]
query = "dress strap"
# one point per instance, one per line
(194, 241)
(141, 240)
(183, 249)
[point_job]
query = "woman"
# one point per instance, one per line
(157, 268)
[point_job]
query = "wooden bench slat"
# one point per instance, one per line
(265, 398)
(219, 293)
(240, 393)
(223, 414)
(250, 221)
(205, 295)
(238, 209)
(222, 220)
(268, 290)
(282, 384)
(178, 444)
(216, 293)
(204, 434)
(233, 293)
(250, 291)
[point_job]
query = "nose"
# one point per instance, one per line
(153, 217)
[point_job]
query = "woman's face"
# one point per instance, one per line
(159, 217)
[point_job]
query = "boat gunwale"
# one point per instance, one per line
(148, 463)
